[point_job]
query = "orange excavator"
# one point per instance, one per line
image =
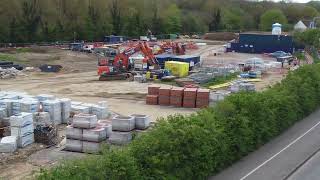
(117, 66)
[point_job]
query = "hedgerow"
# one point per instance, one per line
(202, 144)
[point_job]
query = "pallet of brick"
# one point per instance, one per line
(203, 96)
(176, 96)
(53, 107)
(152, 99)
(65, 110)
(164, 96)
(8, 144)
(107, 125)
(153, 90)
(74, 133)
(123, 123)
(189, 97)
(97, 134)
(120, 138)
(85, 121)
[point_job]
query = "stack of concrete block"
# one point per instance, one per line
(65, 110)
(53, 107)
(8, 144)
(84, 135)
(142, 122)
(107, 125)
(22, 127)
(122, 127)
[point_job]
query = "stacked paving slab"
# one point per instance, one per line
(123, 127)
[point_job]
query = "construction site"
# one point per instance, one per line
(66, 101)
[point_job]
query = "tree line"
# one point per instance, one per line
(65, 20)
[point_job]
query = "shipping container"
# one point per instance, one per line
(162, 58)
(262, 43)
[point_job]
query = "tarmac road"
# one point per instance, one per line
(291, 156)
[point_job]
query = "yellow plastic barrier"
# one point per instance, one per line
(179, 69)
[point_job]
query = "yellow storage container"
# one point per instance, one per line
(179, 69)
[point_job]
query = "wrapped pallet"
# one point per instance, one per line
(7, 104)
(21, 120)
(45, 97)
(8, 144)
(100, 111)
(25, 140)
(16, 107)
(65, 110)
(22, 131)
(3, 113)
(85, 121)
(29, 105)
(53, 107)
(97, 134)
(77, 109)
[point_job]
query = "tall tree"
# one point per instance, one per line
(270, 17)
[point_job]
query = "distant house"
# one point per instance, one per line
(300, 26)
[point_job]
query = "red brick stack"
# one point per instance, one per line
(164, 96)
(189, 98)
(176, 96)
(202, 98)
(153, 95)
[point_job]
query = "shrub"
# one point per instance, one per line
(197, 146)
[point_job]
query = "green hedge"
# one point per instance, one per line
(200, 145)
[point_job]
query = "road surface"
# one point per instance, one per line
(291, 156)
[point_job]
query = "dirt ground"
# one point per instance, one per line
(79, 81)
